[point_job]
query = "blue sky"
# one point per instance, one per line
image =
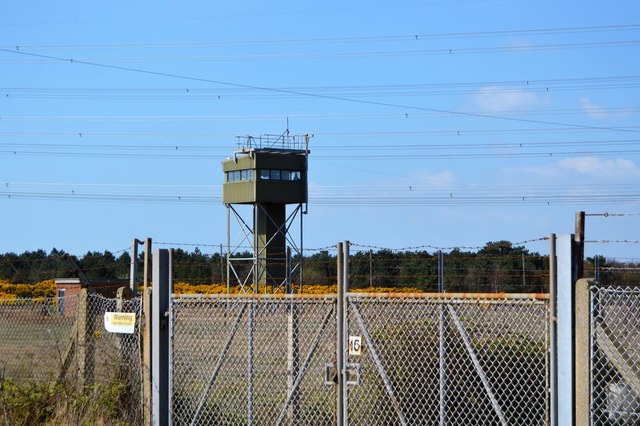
(441, 123)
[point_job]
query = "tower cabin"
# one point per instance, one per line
(269, 179)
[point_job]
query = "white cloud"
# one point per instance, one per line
(595, 166)
(597, 112)
(437, 180)
(496, 98)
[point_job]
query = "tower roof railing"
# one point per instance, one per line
(284, 141)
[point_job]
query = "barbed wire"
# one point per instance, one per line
(616, 268)
(327, 248)
(429, 246)
(188, 244)
(606, 214)
(613, 241)
(101, 254)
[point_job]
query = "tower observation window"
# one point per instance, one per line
(280, 175)
(240, 175)
(264, 174)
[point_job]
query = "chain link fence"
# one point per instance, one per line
(35, 334)
(59, 348)
(271, 360)
(615, 355)
(454, 361)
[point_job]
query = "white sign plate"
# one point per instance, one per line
(355, 345)
(120, 322)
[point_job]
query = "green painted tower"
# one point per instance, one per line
(265, 190)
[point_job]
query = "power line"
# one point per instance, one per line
(350, 157)
(355, 54)
(378, 91)
(349, 199)
(324, 147)
(333, 40)
(310, 95)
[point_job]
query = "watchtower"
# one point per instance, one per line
(265, 190)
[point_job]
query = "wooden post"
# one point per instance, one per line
(133, 274)
(86, 342)
(579, 249)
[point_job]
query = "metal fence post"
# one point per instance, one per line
(553, 333)
(442, 367)
(293, 348)
(250, 355)
(146, 335)
(160, 338)
(293, 355)
(340, 348)
(565, 328)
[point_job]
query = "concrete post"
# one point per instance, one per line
(583, 351)
(565, 328)
(160, 338)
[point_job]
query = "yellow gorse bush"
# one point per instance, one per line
(47, 288)
(186, 288)
(43, 289)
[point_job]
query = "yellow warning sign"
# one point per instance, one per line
(120, 322)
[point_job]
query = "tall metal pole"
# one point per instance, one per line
(256, 261)
(301, 273)
(221, 266)
(345, 265)
(524, 277)
(340, 347)
(228, 248)
(440, 271)
(289, 288)
(370, 268)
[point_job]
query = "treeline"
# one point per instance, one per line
(35, 266)
(498, 266)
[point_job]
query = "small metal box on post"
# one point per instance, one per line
(265, 176)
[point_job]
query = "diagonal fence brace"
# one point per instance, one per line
(214, 375)
(478, 367)
(376, 359)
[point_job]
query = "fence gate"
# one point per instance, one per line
(252, 360)
(451, 360)
(410, 359)
(615, 355)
